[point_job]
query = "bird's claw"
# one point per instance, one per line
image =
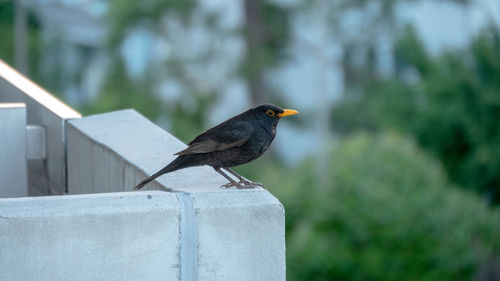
(230, 184)
(243, 185)
(250, 184)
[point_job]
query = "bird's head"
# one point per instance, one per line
(269, 113)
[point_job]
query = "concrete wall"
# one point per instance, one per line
(195, 231)
(13, 168)
(118, 149)
(114, 236)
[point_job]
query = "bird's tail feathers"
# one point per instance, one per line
(169, 168)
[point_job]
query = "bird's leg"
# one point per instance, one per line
(231, 181)
(242, 180)
(248, 184)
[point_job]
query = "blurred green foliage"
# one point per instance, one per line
(451, 107)
(121, 91)
(267, 34)
(7, 37)
(385, 213)
(7, 32)
(125, 15)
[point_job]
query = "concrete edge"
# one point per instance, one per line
(98, 203)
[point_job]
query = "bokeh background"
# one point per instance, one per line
(392, 169)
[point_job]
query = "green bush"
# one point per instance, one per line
(452, 110)
(383, 212)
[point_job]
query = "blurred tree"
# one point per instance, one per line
(192, 38)
(7, 45)
(386, 213)
(451, 104)
(7, 32)
(267, 30)
(157, 18)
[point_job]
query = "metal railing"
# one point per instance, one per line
(46, 113)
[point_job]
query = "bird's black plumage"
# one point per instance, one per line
(235, 141)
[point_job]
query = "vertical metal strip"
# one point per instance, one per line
(189, 238)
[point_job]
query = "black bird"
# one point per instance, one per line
(235, 141)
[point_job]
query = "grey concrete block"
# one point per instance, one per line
(113, 236)
(114, 151)
(13, 167)
(225, 234)
(241, 236)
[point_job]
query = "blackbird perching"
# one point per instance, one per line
(235, 141)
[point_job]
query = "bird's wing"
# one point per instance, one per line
(219, 138)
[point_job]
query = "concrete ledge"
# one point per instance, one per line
(118, 149)
(198, 231)
(114, 236)
(225, 234)
(241, 236)
(13, 168)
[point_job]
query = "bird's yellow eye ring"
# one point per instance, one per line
(269, 112)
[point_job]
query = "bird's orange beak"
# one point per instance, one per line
(287, 112)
